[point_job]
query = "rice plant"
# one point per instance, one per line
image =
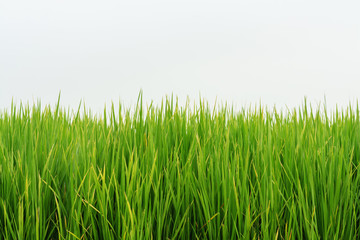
(171, 172)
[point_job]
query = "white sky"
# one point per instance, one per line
(238, 51)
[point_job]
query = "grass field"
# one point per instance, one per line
(168, 172)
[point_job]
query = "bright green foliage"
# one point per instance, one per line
(169, 172)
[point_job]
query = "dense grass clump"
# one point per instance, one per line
(169, 172)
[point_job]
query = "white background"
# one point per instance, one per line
(241, 52)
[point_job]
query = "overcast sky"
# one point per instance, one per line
(238, 51)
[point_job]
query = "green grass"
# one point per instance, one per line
(168, 172)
